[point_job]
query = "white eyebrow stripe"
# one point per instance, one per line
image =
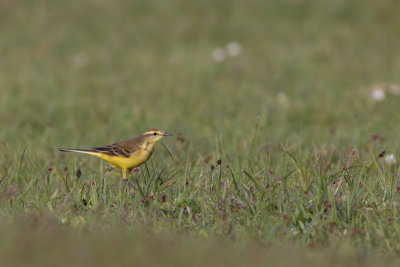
(151, 132)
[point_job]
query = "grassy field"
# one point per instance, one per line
(279, 150)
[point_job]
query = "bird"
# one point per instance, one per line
(127, 154)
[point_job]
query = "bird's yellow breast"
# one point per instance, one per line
(133, 161)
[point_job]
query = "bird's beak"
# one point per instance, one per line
(167, 134)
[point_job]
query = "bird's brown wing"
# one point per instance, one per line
(112, 150)
(120, 149)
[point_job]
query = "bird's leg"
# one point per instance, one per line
(124, 178)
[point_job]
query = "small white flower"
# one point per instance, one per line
(282, 98)
(233, 49)
(219, 54)
(63, 220)
(378, 94)
(390, 159)
(81, 59)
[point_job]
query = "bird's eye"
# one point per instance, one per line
(154, 133)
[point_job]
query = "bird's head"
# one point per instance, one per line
(153, 135)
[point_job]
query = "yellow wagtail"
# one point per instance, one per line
(127, 154)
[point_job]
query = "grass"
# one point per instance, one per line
(276, 150)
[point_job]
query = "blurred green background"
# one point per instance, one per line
(93, 71)
(89, 73)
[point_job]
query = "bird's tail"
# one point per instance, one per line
(85, 151)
